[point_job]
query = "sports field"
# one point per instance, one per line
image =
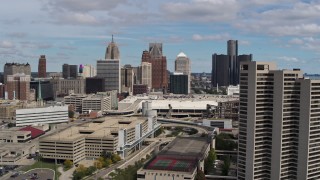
(171, 164)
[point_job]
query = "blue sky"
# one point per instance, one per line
(78, 31)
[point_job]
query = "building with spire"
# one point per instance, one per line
(42, 67)
(109, 68)
(182, 65)
(159, 66)
(112, 51)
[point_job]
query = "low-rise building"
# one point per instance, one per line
(111, 134)
(14, 136)
(42, 115)
(97, 102)
(75, 100)
(16, 153)
(218, 123)
(179, 160)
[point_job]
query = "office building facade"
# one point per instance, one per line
(15, 68)
(88, 71)
(43, 115)
(94, 85)
(159, 66)
(69, 71)
(179, 83)
(42, 67)
(18, 86)
(278, 123)
(127, 76)
(146, 74)
(109, 69)
(182, 64)
(63, 87)
(226, 72)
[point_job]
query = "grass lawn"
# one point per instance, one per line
(43, 164)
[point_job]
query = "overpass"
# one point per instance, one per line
(182, 123)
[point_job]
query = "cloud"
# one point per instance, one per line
(244, 42)
(289, 59)
(219, 37)
(84, 5)
(6, 44)
(35, 45)
(201, 10)
(77, 19)
(296, 41)
(17, 34)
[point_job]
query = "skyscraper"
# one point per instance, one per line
(146, 74)
(69, 71)
(233, 67)
(109, 69)
(42, 67)
(179, 83)
(232, 49)
(278, 123)
(89, 71)
(159, 65)
(18, 86)
(182, 64)
(15, 68)
(127, 78)
(112, 51)
(220, 75)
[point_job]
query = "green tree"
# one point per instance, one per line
(225, 142)
(200, 175)
(209, 161)
(67, 164)
(115, 158)
(71, 114)
(226, 166)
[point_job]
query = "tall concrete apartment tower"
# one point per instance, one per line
(159, 66)
(109, 69)
(278, 124)
(182, 64)
(42, 67)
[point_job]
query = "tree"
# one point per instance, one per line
(115, 158)
(200, 175)
(98, 164)
(108, 162)
(71, 114)
(209, 161)
(67, 164)
(226, 166)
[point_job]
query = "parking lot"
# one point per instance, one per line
(39, 174)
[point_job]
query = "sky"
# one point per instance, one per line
(77, 31)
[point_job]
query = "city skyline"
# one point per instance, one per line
(75, 32)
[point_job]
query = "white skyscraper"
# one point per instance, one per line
(182, 64)
(89, 71)
(279, 124)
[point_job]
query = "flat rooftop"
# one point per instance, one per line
(186, 146)
(100, 128)
(182, 154)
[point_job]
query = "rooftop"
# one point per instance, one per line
(182, 154)
(103, 127)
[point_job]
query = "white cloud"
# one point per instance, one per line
(6, 44)
(289, 59)
(85, 5)
(198, 37)
(202, 10)
(296, 41)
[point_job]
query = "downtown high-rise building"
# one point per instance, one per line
(18, 86)
(159, 66)
(127, 76)
(182, 64)
(226, 68)
(69, 71)
(88, 71)
(146, 74)
(279, 125)
(15, 68)
(42, 67)
(109, 69)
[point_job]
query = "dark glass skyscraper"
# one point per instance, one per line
(69, 71)
(226, 68)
